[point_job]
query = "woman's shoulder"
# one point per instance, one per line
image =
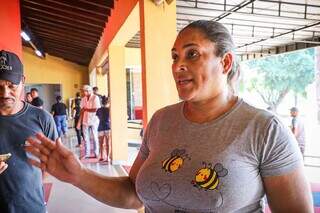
(247, 111)
(169, 110)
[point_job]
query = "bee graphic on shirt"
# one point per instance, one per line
(208, 178)
(175, 161)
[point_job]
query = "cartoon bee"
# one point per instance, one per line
(208, 178)
(175, 161)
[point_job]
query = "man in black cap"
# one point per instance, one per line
(20, 184)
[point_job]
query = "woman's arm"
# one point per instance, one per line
(289, 193)
(115, 191)
(64, 165)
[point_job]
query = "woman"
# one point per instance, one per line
(103, 114)
(224, 153)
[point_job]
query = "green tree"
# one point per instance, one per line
(278, 75)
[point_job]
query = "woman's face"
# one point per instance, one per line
(198, 73)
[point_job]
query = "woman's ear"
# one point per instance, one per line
(227, 61)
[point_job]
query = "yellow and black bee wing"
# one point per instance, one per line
(221, 171)
(176, 152)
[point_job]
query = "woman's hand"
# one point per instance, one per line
(3, 166)
(54, 158)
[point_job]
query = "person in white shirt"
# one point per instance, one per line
(89, 105)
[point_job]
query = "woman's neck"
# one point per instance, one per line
(204, 111)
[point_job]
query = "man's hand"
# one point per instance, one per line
(3, 166)
(54, 158)
(78, 127)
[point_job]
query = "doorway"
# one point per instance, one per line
(47, 92)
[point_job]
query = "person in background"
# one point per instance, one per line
(210, 152)
(297, 128)
(59, 112)
(76, 115)
(20, 184)
(103, 114)
(36, 100)
(89, 105)
(28, 98)
(96, 92)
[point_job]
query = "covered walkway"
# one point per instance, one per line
(116, 45)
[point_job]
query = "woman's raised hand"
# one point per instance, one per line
(54, 158)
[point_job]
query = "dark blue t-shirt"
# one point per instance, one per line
(21, 184)
(103, 115)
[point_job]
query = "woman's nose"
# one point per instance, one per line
(180, 66)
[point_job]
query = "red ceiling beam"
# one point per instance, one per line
(10, 27)
(120, 13)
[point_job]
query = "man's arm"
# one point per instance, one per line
(96, 105)
(90, 109)
(289, 193)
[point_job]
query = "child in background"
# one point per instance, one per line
(76, 116)
(104, 127)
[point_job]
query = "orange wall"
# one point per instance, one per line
(10, 26)
(54, 70)
(119, 14)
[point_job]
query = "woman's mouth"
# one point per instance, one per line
(183, 82)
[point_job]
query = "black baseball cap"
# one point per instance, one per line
(11, 68)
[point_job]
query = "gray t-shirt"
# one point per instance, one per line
(216, 166)
(21, 184)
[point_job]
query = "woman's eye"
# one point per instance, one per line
(174, 56)
(192, 54)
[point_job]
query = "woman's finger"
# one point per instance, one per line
(37, 153)
(46, 141)
(37, 144)
(35, 163)
(64, 151)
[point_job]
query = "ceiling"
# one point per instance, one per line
(259, 27)
(69, 29)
